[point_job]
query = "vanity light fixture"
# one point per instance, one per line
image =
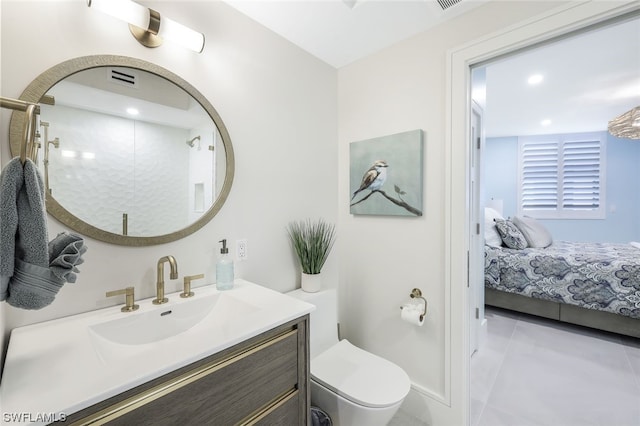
(626, 125)
(146, 25)
(546, 122)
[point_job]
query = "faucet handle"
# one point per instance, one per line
(129, 293)
(187, 285)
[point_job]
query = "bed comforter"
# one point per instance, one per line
(600, 276)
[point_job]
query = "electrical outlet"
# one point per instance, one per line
(241, 249)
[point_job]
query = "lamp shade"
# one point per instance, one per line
(125, 10)
(497, 205)
(178, 33)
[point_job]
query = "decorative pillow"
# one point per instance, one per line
(491, 236)
(534, 232)
(511, 235)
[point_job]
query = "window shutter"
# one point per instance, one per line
(539, 176)
(562, 176)
(581, 175)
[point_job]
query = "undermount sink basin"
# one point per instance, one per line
(164, 322)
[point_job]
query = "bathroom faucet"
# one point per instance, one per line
(160, 299)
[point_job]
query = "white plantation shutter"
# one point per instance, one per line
(561, 176)
(539, 176)
(581, 175)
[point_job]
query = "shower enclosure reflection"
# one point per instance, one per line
(139, 156)
(111, 165)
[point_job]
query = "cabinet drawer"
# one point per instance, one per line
(222, 392)
(285, 413)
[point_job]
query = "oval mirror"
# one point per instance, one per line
(129, 152)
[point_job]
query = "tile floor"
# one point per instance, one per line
(533, 371)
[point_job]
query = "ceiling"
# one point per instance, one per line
(342, 31)
(587, 80)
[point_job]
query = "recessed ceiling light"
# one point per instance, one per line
(132, 111)
(545, 122)
(535, 79)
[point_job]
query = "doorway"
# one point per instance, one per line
(561, 21)
(516, 108)
(579, 97)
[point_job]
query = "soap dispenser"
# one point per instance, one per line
(224, 268)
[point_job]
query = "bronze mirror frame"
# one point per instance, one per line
(45, 81)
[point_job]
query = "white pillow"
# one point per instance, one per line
(534, 232)
(491, 236)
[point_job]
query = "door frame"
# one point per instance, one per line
(563, 20)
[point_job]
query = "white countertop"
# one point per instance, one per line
(61, 366)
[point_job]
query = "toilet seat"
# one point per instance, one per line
(360, 376)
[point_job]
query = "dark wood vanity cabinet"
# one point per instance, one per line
(261, 381)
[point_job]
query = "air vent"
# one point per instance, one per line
(123, 77)
(446, 4)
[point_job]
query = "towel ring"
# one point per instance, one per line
(29, 126)
(28, 134)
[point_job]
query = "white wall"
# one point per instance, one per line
(278, 103)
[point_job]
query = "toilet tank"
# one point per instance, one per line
(323, 320)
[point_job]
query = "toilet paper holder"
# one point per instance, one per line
(416, 293)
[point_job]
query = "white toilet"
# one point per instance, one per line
(354, 387)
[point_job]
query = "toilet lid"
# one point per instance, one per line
(360, 376)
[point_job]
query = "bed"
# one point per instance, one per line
(590, 284)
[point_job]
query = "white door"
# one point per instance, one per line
(476, 239)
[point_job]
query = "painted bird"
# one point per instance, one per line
(374, 178)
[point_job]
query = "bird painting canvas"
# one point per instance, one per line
(386, 175)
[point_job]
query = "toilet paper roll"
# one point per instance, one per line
(411, 315)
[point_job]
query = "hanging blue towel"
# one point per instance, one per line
(32, 270)
(32, 286)
(11, 183)
(65, 253)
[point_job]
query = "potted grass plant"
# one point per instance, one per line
(312, 242)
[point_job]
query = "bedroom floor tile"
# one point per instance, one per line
(486, 363)
(556, 374)
(632, 348)
(501, 327)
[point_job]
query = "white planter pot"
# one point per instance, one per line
(311, 283)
